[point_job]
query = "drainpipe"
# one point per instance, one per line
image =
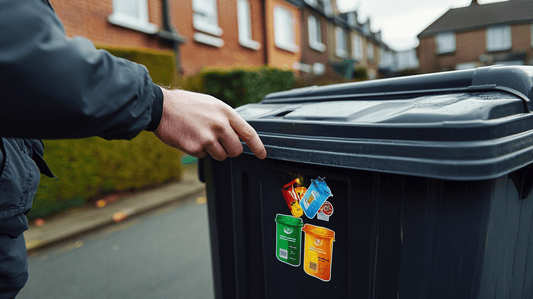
(265, 32)
(169, 33)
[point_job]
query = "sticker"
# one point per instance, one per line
(300, 191)
(314, 197)
(293, 198)
(318, 251)
(288, 239)
(326, 210)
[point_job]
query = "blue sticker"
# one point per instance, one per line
(315, 197)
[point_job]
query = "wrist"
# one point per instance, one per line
(157, 108)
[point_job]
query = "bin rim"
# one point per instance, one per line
(289, 220)
(319, 231)
(460, 143)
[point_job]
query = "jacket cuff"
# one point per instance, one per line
(157, 109)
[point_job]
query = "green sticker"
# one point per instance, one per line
(288, 239)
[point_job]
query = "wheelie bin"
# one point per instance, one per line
(429, 180)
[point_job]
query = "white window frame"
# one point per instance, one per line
(498, 38)
(139, 23)
(445, 43)
(340, 42)
(245, 25)
(370, 52)
(208, 39)
(284, 38)
(319, 68)
(357, 47)
(315, 35)
(208, 23)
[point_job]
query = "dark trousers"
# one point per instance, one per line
(13, 258)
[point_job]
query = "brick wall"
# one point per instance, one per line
(195, 55)
(426, 54)
(469, 46)
(278, 57)
(521, 36)
(88, 18)
(310, 55)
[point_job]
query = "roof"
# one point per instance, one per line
(478, 16)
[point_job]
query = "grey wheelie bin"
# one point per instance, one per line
(426, 191)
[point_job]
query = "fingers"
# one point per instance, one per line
(199, 125)
(231, 143)
(216, 151)
(249, 135)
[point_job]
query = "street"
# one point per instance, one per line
(161, 254)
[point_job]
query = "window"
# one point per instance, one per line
(352, 21)
(319, 68)
(132, 14)
(315, 36)
(284, 30)
(357, 47)
(466, 66)
(205, 20)
(245, 25)
(370, 52)
(340, 42)
(366, 27)
(445, 42)
(498, 38)
(386, 59)
(205, 16)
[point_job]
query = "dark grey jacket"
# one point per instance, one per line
(54, 87)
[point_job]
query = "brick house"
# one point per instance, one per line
(316, 14)
(308, 36)
(209, 34)
(114, 22)
(477, 35)
(356, 46)
(220, 33)
(283, 34)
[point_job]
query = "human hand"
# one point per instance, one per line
(199, 124)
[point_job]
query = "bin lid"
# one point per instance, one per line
(319, 231)
(461, 125)
(289, 220)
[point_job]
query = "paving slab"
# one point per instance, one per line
(85, 219)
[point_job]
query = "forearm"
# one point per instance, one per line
(54, 87)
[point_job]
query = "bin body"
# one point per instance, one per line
(431, 192)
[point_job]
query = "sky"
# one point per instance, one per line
(400, 21)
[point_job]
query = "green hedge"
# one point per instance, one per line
(239, 86)
(160, 64)
(90, 168)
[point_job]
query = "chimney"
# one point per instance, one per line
(474, 2)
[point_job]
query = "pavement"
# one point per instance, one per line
(80, 221)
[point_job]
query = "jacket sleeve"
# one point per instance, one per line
(55, 87)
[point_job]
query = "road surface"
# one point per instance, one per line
(161, 254)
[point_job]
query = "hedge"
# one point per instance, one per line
(239, 86)
(93, 167)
